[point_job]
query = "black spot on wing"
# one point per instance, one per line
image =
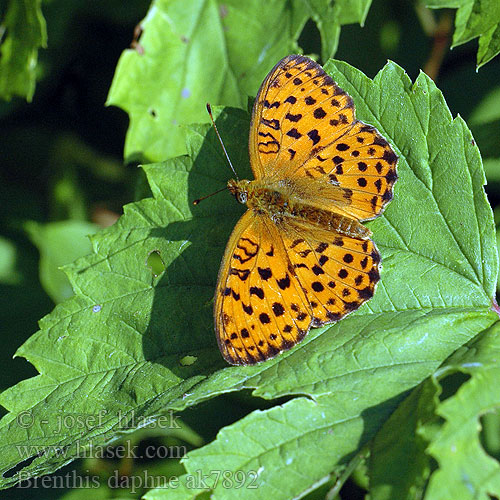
(390, 157)
(248, 309)
(321, 248)
(255, 290)
(284, 283)
(241, 273)
(374, 275)
(391, 176)
(274, 124)
(264, 273)
(319, 113)
(317, 270)
(296, 242)
(348, 258)
(365, 293)
(293, 118)
(294, 133)
(278, 309)
(264, 318)
(314, 136)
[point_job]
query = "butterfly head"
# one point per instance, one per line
(239, 189)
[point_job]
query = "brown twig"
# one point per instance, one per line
(441, 36)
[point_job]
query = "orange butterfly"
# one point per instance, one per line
(299, 257)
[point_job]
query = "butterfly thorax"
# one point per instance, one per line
(280, 201)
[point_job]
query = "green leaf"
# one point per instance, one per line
(59, 243)
(498, 249)
(445, 165)
(399, 466)
(489, 45)
(488, 110)
(448, 431)
(464, 467)
(170, 67)
(359, 389)
(330, 17)
(492, 170)
(165, 82)
(475, 18)
(25, 34)
(118, 348)
(9, 275)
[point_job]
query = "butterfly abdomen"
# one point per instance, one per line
(329, 221)
(281, 204)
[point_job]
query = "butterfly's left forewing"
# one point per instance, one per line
(260, 307)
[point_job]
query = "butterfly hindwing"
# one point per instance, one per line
(281, 280)
(338, 272)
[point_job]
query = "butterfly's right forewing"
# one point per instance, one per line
(304, 128)
(299, 109)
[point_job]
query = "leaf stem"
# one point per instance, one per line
(351, 466)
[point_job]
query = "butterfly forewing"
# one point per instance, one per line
(304, 124)
(362, 167)
(299, 109)
(260, 306)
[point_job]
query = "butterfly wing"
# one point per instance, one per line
(362, 166)
(276, 281)
(260, 307)
(304, 126)
(337, 272)
(286, 110)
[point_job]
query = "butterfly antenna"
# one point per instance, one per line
(209, 109)
(195, 202)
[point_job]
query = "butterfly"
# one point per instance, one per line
(299, 257)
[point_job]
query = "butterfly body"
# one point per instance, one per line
(284, 203)
(300, 257)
